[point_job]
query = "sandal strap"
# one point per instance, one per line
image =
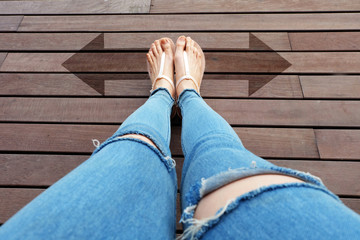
(161, 76)
(187, 75)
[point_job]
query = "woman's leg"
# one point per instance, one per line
(125, 190)
(230, 193)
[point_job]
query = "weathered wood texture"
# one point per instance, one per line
(235, 62)
(330, 86)
(326, 41)
(274, 143)
(2, 57)
(232, 86)
(9, 23)
(13, 199)
(74, 7)
(186, 6)
(338, 144)
(235, 111)
(141, 41)
(203, 22)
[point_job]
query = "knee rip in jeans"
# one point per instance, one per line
(150, 142)
(140, 137)
(197, 227)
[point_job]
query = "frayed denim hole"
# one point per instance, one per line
(199, 227)
(169, 162)
(158, 144)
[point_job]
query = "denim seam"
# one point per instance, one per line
(234, 203)
(167, 160)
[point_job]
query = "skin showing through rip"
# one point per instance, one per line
(212, 202)
(140, 137)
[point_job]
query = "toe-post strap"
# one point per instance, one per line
(187, 75)
(161, 76)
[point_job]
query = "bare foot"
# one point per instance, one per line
(196, 60)
(154, 60)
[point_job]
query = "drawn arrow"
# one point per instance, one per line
(114, 62)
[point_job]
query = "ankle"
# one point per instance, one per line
(185, 84)
(162, 83)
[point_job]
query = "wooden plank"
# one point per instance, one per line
(2, 57)
(291, 143)
(279, 142)
(352, 203)
(235, 111)
(338, 144)
(13, 199)
(216, 62)
(36, 170)
(53, 137)
(204, 22)
(286, 62)
(74, 7)
(330, 86)
(232, 86)
(325, 41)
(269, 142)
(339, 177)
(173, 6)
(9, 23)
(288, 112)
(138, 41)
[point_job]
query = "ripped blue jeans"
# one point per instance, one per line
(127, 189)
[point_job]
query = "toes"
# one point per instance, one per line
(158, 46)
(148, 57)
(180, 47)
(188, 44)
(180, 43)
(165, 44)
(154, 49)
(152, 55)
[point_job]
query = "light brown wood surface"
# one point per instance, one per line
(235, 111)
(326, 41)
(235, 86)
(10, 23)
(73, 7)
(330, 86)
(203, 22)
(67, 138)
(140, 41)
(338, 144)
(234, 62)
(186, 6)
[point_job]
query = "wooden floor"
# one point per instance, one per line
(285, 74)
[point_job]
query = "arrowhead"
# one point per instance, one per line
(278, 63)
(73, 62)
